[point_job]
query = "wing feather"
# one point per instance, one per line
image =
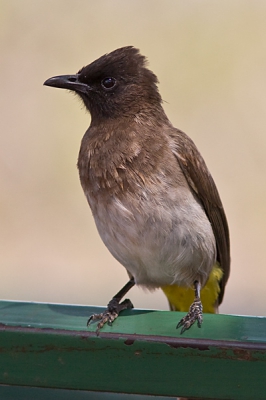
(202, 183)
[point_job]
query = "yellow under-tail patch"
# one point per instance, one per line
(181, 298)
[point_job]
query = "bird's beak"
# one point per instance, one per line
(70, 82)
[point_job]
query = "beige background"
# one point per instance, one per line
(210, 58)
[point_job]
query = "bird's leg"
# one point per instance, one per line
(195, 311)
(114, 307)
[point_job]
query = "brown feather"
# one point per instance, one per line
(202, 183)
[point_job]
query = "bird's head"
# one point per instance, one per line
(116, 84)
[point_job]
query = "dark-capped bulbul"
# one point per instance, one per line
(154, 202)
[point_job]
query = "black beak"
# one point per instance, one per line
(70, 82)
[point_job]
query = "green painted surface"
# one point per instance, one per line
(141, 322)
(27, 393)
(49, 346)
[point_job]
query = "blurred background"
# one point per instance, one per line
(210, 58)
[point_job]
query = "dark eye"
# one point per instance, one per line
(108, 83)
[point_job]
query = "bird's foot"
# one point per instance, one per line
(194, 314)
(110, 314)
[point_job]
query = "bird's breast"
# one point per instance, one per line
(145, 212)
(159, 232)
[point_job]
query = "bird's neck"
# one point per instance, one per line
(116, 154)
(145, 114)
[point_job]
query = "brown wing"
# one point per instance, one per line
(202, 183)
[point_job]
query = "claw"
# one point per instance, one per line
(110, 314)
(94, 317)
(194, 314)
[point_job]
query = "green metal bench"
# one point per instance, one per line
(46, 351)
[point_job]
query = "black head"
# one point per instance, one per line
(116, 84)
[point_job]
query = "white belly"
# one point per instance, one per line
(159, 243)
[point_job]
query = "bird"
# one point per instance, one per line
(154, 202)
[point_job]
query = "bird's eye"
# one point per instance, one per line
(108, 83)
